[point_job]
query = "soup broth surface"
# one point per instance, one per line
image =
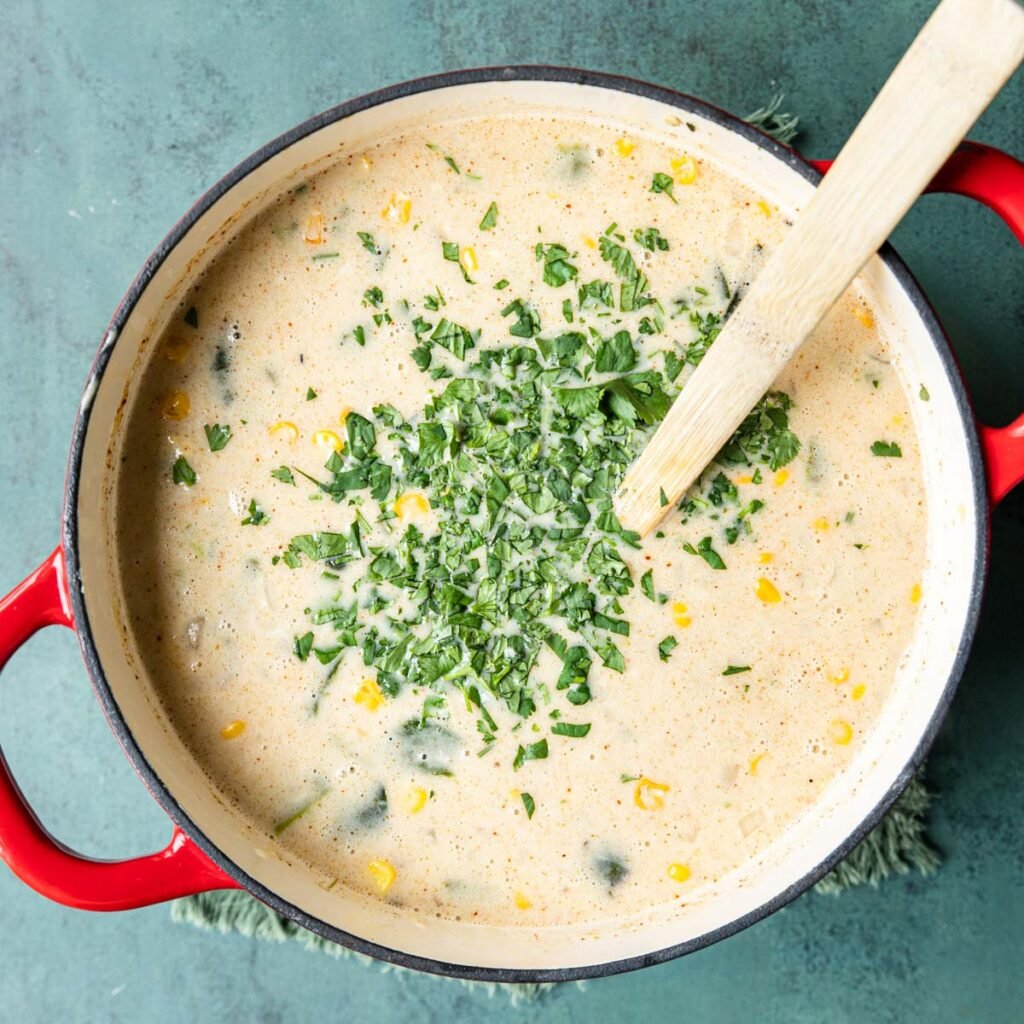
(369, 558)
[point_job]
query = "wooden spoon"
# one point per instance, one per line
(958, 62)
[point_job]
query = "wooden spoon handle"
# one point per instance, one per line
(958, 62)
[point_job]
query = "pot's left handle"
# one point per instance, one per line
(39, 860)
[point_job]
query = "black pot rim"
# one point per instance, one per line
(70, 525)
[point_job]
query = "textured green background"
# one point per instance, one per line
(113, 118)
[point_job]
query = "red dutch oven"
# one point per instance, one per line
(967, 467)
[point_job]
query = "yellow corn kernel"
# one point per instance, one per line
(176, 351)
(754, 762)
(764, 207)
(685, 170)
(412, 504)
(398, 209)
(589, 242)
(521, 901)
(343, 415)
(175, 406)
(624, 147)
(365, 162)
(232, 730)
(821, 524)
(840, 731)
(767, 592)
(368, 694)
(745, 479)
(313, 233)
(839, 677)
(383, 874)
(679, 872)
(858, 692)
(781, 477)
(415, 800)
(864, 316)
(650, 795)
(287, 430)
(915, 593)
(328, 439)
(679, 616)
(468, 260)
(766, 558)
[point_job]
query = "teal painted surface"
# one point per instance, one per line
(111, 123)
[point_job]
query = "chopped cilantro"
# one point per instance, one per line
(217, 436)
(183, 473)
(664, 183)
(707, 552)
(528, 803)
(490, 218)
(735, 670)
(666, 647)
(887, 449)
(256, 516)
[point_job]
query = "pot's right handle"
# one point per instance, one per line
(995, 179)
(44, 863)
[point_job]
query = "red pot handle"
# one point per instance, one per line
(39, 860)
(996, 179)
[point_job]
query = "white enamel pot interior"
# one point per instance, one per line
(927, 675)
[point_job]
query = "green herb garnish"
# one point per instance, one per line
(183, 473)
(887, 449)
(217, 436)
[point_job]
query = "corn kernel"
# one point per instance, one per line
(767, 592)
(650, 795)
(624, 147)
(754, 762)
(864, 316)
(857, 693)
(745, 479)
(766, 558)
(287, 430)
(343, 415)
(781, 477)
(839, 677)
(411, 504)
(415, 800)
(521, 901)
(840, 731)
(821, 524)
(328, 439)
(468, 260)
(685, 170)
(175, 406)
(368, 694)
(679, 872)
(232, 730)
(314, 230)
(398, 209)
(383, 874)
(764, 207)
(915, 593)
(176, 351)
(679, 616)
(589, 242)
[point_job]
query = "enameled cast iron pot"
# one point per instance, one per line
(967, 468)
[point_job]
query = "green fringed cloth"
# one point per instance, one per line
(898, 845)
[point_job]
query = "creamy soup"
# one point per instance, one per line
(371, 566)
